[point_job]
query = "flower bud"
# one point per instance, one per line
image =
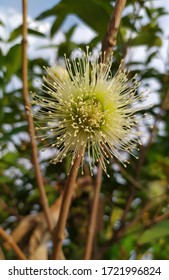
(57, 73)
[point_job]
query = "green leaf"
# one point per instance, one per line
(57, 24)
(151, 56)
(10, 157)
(18, 32)
(36, 33)
(146, 39)
(1, 59)
(1, 23)
(5, 179)
(89, 11)
(13, 60)
(159, 230)
(37, 62)
(15, 33)
(70, 32)
(66, 48)
(48, 46)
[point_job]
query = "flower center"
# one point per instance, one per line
(88, 115)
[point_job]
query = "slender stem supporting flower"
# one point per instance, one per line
(28, 111)
(109, 40)
(92, 225)
(12, 244)
(64, 210)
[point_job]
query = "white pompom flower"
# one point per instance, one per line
(84, 107)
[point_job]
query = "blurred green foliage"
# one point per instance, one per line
(134, 203)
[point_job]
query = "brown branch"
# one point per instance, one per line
(146, 208)
(92, 225)
(65, 206)
(161, 218)
(28, 111)
(12, 244)
(154, 220)
(109, 40)
(123, 171)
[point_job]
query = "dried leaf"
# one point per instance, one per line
(41, 253)
(25, 226)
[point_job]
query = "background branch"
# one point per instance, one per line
(28, 112)
(65, 206)
(12, 244)
(92, 224)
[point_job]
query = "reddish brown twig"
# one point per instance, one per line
(92, 225)
(65, 206)
(28, 111)
(12, 244)
(109, 40)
